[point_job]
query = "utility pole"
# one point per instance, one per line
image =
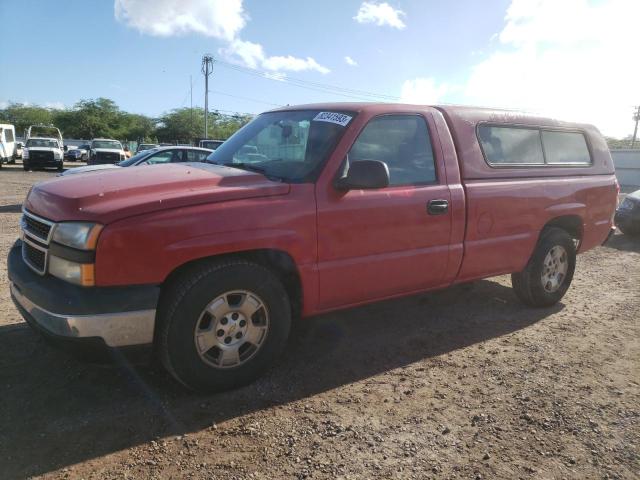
(636, 117)
(191, 106)
(207, 69)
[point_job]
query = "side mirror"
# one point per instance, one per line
(364, 174)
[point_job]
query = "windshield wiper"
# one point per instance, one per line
(246, 166)
(250, 167)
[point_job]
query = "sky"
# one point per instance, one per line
(572, 59)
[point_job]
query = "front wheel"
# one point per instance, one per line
(548, 275)
(222, 323)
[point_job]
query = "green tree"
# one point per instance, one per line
(181, 125)
(618, 143)
(97, 118)
(22, 116)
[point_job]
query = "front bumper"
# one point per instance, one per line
(111, 316)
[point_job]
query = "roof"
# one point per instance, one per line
(463, 113)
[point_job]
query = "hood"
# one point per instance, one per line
(42, 149)
(124, 192)
(88, 168)
(108, 150)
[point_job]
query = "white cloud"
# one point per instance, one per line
(292, 63)
(422, 91)
(571, 59)
(249, 53)
(54, 105)
(221, 19)
(253, 55)
(380, 14)
(350, 61)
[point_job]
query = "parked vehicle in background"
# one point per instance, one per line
(7, 143)
(105, 151)
(44, 131)
(146, 146)
(79, 153)
(42, 153)
(212, 144)
(18, 152)
(628, 214)
(150, 157)
(306, 210)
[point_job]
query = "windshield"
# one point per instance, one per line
(42, 142)
(137, 157)
(290, 145)
(106, 144)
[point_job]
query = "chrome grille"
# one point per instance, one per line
(36, 227)
(35, 257)
(36, 235)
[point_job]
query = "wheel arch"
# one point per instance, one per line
(572, 224)
(280, 262)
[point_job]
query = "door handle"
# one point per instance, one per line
(437, 207)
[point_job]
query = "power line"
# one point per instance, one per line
(317, 86)
(217, 92)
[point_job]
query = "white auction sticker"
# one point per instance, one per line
(333, 117)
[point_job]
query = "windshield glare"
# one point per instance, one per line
(288, 145)
(106, 144)
(37, 142)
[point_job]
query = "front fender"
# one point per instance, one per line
(145, 249)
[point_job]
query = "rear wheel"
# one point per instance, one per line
(549, 273)
(222, 323)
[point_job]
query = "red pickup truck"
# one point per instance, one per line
(305, 210)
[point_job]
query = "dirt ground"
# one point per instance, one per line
(464, 383)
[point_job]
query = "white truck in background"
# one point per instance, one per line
(7, 144)
(43, 147)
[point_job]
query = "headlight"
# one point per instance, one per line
(80, 235)
(78, 273)
(57, 155)
(25, 154)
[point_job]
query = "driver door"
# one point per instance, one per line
(379, 243)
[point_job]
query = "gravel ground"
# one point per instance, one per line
(463, 383)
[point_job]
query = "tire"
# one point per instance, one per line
(60, 167)
(629, 231)
(25, 166)
(187, 309)
(530, 286)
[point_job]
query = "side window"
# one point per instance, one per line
(9, 135)
(160, 157)
(403, 143)
(565, 148)
(194, 156)
(510, 145)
